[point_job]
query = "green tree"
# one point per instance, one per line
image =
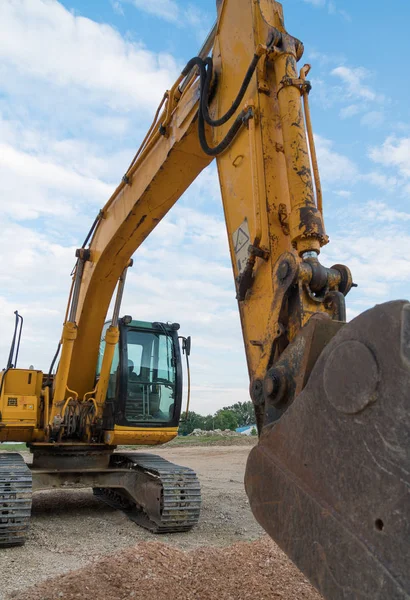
(209, 422)
(244, 412)
(230, 417)
(226, 419)
(191, 422)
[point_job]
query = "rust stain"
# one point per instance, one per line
(140, 222)
(311, 221)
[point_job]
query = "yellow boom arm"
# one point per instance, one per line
(265, 177)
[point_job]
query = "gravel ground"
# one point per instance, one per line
(70, 529)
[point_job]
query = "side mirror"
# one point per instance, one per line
(186, 345)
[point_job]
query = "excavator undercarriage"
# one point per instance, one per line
(154, 493)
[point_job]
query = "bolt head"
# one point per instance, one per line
(271, 385)
(283, 270)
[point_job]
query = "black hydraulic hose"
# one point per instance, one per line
(19, 340)
(50, 371)
(223, 145)
(205, 73)
(206, 86)
(3, 378)
(10, 364)
(10, 359)
(196, 61)
(13, 343)
(93, 226)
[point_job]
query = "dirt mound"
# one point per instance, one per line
(154, 570)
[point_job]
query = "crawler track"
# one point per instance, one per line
(177, 501)
(15, 499)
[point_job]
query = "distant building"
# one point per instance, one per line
(246, 430)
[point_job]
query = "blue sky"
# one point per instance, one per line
(79, 82)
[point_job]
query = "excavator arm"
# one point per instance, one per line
(230, 107)
(329, 478)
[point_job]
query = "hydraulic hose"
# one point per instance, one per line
(205, 73)
(235, 105)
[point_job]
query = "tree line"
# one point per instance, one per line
(229, 417)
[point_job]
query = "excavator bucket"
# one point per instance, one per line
(330, 481)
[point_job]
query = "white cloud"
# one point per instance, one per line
(117, 8)
(66, 177)
(380, 211)
(49, 184)
(353, 79)
(381, 180)
(179, 14)
(351, 91)
(331, 6)
(43, 41)
(372, 119)
(349, 111)
(395, 152)
(372, 262)
(324, 58)
(316, 2)
(359, 97)
(334, 167)
(34, 278)
(164, 9)
(393, 157)
(345, 15)
(41, 263)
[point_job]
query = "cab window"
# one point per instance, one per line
(150, 378)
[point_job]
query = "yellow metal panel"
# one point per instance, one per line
(19, 408)
(139, 435)
(16, 434)
(24, 382)
(20, 433)
(19, 402)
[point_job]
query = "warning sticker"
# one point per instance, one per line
(241, 241)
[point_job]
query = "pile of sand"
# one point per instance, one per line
(156, 571)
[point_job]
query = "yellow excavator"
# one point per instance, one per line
(329, 477)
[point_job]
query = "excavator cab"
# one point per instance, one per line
(145, 383)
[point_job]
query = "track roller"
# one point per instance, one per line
(165, 498)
